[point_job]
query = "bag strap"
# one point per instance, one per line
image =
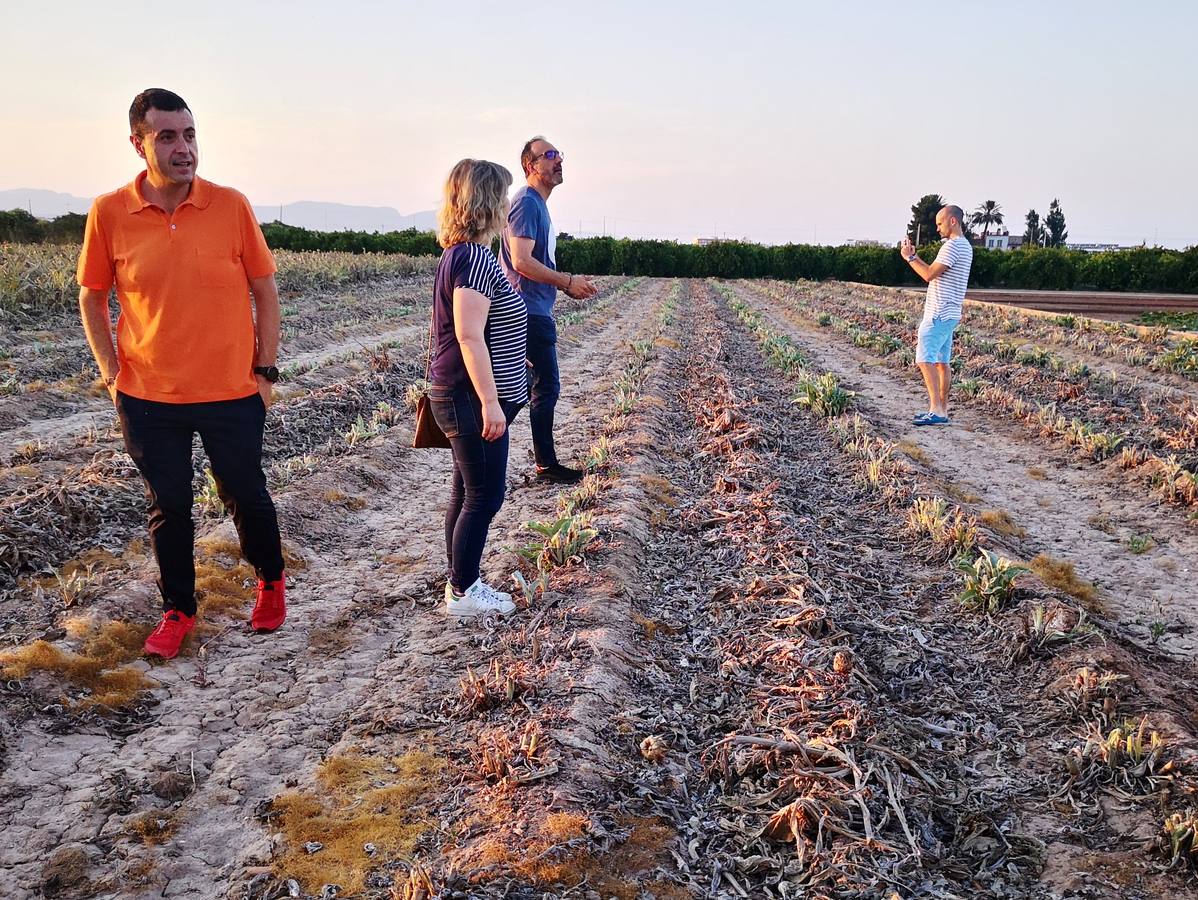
(428, 357)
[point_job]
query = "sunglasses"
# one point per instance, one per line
(550, 155)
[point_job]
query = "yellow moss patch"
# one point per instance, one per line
(213, 547)
(659, 490)
(1059, 574)
(25, 471)
(335, 496)
(97, 667)
(330, 640)
(360, 800)
(153, 827)
(1001, 522)
(958, 493)
(224, 590)
(915, 452)
(1037, 473)
(652, 628)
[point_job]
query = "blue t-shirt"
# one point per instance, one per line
(473, 266)
(529, 218)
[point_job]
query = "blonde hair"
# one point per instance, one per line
(472, 209)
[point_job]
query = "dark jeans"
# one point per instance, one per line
(546, 387)
(479, 477)
(158, 437)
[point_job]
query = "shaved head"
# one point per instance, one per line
(955, 212)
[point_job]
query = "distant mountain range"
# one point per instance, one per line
(304, 213)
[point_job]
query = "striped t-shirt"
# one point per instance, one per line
(473, 266)
(947, 293)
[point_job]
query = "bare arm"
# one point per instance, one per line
(266, 328)
(520, 248)
(97, 325)
(922, 269)
(470, 309)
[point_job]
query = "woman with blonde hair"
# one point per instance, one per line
(477, 372)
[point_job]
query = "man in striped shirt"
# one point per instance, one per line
(947, 278)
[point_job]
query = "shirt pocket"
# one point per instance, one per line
(219, 270)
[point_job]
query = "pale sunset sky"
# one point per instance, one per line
(772, 121)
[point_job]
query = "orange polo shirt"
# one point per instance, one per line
(186, 328)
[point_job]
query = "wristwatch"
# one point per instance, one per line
(911, 257)
(270, 373)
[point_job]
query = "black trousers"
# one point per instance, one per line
(546, 387)
(479, 478)
(158, 436)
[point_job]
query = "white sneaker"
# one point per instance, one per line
(479, 600)
(504, 597)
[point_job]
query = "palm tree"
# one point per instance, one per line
(989, 213)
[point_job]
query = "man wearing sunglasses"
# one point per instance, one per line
(528, 252)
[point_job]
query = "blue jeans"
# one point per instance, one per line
(158, 438)
(546, 387)
(479, 477)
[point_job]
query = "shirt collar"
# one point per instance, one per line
(135, 201)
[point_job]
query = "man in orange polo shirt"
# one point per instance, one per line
(192, 353)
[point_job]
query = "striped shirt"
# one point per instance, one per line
(473, 266)
(947, 292)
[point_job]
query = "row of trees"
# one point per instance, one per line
(1036, 267)
(17, 226)
(1051, 232)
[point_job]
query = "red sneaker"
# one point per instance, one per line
(166, 639)
(271, 608)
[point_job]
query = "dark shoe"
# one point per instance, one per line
(559, 474)
(271, 607)
(166, 639)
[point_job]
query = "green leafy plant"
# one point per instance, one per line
(1180, 839)
(414, 392)
(537, 587)
(74, 586)
(599, 456)
(359, 431)
(208, 498)
(823, 396)
(1182, 359)
(1127, 756)
(584, 496)
(626, 398)
(562, 541)
(969, 387)
(989, 582)
(1140, 543)
(1044, 631)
